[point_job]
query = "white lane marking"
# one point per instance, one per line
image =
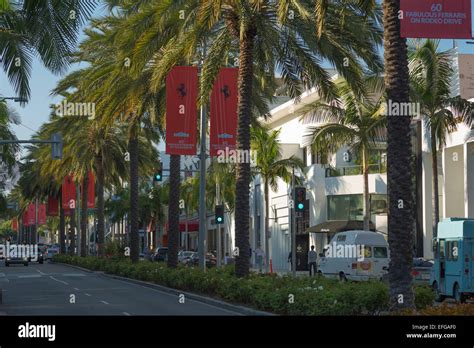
(174, 295)
(2, 274)
(104, 302)
(76, 289)
(73, 275)
(40, 272)
(88, 294)
(127, 314)
(29, 276)
(60, 281)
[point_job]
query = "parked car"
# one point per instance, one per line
(452, 274)
(193, 260)
(421, 270)
(364, 255)
(51, 252)
(184, 255)
(160, 254)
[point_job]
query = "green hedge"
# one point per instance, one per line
(282, 295)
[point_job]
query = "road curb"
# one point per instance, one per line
(211, 301)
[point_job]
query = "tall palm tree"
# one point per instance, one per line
(271, 166)
(431, 72)
(353, 120)
(267, 37)
(47, 29)
(400, 188)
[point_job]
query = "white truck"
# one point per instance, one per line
(355, 255)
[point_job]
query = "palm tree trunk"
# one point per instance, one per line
(173, 211)
(100, 206)
(400, 190)
(267, 227)
(365, 172)
(434, 166)
(62, 232)
(85, 185)
(134, 237)
(242, 262)
(72, 232)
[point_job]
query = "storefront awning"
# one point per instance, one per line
(335, 226)
(187, 225)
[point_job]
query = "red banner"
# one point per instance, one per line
(90, 190)
(224, 111)
(31, 214)
(24, 219)
(42, 214)
(15, 224)
(436, 19)
(53, 206)
(181, 110)
(68, 192)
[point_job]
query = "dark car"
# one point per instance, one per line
(193, 260)
(39, 257)
(160, 254)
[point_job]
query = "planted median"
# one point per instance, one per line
(284, 295)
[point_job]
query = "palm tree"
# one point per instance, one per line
(357, 121)
(266, 37)
(46, 29)
(430, 80)
(271, 166)
(400, 187)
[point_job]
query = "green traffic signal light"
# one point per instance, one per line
(300, 206)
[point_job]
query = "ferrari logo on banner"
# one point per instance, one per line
(181, 110)
(224, 101)
(436, 19)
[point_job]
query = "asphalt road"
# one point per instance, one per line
(46, 290)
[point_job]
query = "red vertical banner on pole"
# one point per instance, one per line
(91, 191)
(436, 19)
(224, 99)
(31, 214)
(68, 192)
(181, 110)
(52, 206)
(15, 224)
(24, 219)
(42, 214)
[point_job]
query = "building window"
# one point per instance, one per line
(351, 207)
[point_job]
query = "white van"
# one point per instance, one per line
(355, 255)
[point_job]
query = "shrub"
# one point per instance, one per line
(424, 297)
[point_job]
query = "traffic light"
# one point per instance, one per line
(158, 176)
(219, 214)
(300, 199)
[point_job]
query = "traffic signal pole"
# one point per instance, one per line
(293, 225)
(202, 179)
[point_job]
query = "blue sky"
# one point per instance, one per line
(42, 82)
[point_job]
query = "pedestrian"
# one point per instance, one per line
(260, 256)
(312, 258)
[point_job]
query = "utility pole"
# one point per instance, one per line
(293, 225)
(202, 178)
